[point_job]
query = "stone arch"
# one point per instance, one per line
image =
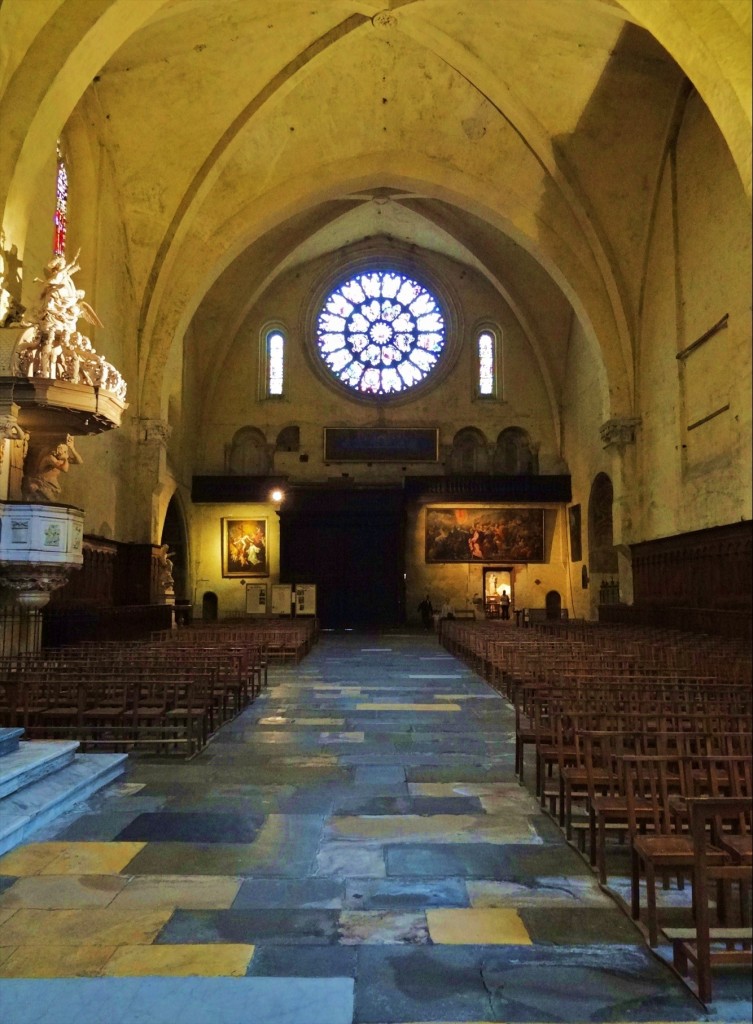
(175, 535)
(249, 453)
(289, 439)
(602, 552)
(469, 452)
(515, 453)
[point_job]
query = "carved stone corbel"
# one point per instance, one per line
(619, 431)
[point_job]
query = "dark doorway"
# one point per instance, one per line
(209, 607)
(349, 542)
(553, 603)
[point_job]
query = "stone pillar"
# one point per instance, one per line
(149, 475)
(618, 437)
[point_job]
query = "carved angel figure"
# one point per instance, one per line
(52, 346)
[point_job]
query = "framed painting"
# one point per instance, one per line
(244, 547)
(484, 535)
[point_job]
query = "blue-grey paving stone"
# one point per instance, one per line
(171, 1000)
(278, 893)
(98, 827)
(192, 827)
(391, 894)
(528, 862)
(305, 962)
(377, 775)
(414, 760)
(516, 984)
(443, 860)
(582, 983)
(395, 983)
(461, 773)
(6, 881)
(279, 927)
(569, 926)
(421, 805)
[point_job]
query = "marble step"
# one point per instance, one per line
(9, 740)
(28, 809)
(32, 761)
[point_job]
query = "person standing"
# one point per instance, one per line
(427, 613)
(504, 602)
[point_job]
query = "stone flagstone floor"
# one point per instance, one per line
(353, 848)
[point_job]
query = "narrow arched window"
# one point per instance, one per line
(61, 205)
(274, 362)
(486, 364)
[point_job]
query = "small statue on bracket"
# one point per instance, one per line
(41, 482)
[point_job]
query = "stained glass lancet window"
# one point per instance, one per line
(486, 352)
(61, 206)
(275, 362)
(380, 332)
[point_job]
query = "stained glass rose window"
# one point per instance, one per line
(380, 332)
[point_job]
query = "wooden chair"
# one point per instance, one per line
(704, 946)
(655, 845)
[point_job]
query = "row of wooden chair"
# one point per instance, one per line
(171, 693)
(637, 727)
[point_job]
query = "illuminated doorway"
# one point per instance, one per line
(498, 584)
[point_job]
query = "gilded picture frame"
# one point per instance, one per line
(244, 547)
(468, 534)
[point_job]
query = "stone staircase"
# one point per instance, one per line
(40, 779)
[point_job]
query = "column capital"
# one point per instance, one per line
(619, 431)
(154, 432)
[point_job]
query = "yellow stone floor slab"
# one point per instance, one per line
(95, 926)
(181, 892)
(492, 927)
(34, 961)
(220, 960)
(408, 707)
(69, 858)
(6, 913)
(63, 892)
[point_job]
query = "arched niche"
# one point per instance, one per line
(515, 454)
(602, 552)
(249, 453)
(469, 453)
(175, 535)
(289, 439)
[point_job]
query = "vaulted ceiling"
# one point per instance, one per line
(525, 138)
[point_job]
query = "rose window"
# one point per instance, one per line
(380, 333)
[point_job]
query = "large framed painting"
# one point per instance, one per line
(485, 535)
(244, 547)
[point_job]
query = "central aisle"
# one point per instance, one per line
(354, 847)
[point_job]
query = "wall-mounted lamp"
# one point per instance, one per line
(276, 496)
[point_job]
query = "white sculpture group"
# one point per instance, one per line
(52, 346)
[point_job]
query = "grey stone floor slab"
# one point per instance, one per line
(278, 927)
(392, 894)
(178, 1001)
(192, 827)
(278, 893)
